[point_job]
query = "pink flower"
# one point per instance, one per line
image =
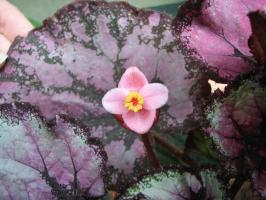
(136, 100)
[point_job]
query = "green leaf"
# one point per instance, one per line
(107, 197)
(34, 22)
(165, 157)
(199, 147)
(169, 8)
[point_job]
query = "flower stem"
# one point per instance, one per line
(150, 151)
(113, 194)
(174, 150)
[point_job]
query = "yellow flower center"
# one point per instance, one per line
(134, 102)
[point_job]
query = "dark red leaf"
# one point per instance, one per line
(258, 38)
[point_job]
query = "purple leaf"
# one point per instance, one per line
(175, 185)
(218, 31)
(37, 162)
(259, 182)
(67, 66)
(237, 125)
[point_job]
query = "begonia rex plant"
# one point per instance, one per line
(107, 101)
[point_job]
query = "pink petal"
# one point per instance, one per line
(133, 79)
(140, 122)
(113, 101)
(155, 96)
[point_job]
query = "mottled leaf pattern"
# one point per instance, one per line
(237, 125)
(37, 162)
(176, 185)
(218, 31)
(67, 66)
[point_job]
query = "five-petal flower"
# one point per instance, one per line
(136, 100)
